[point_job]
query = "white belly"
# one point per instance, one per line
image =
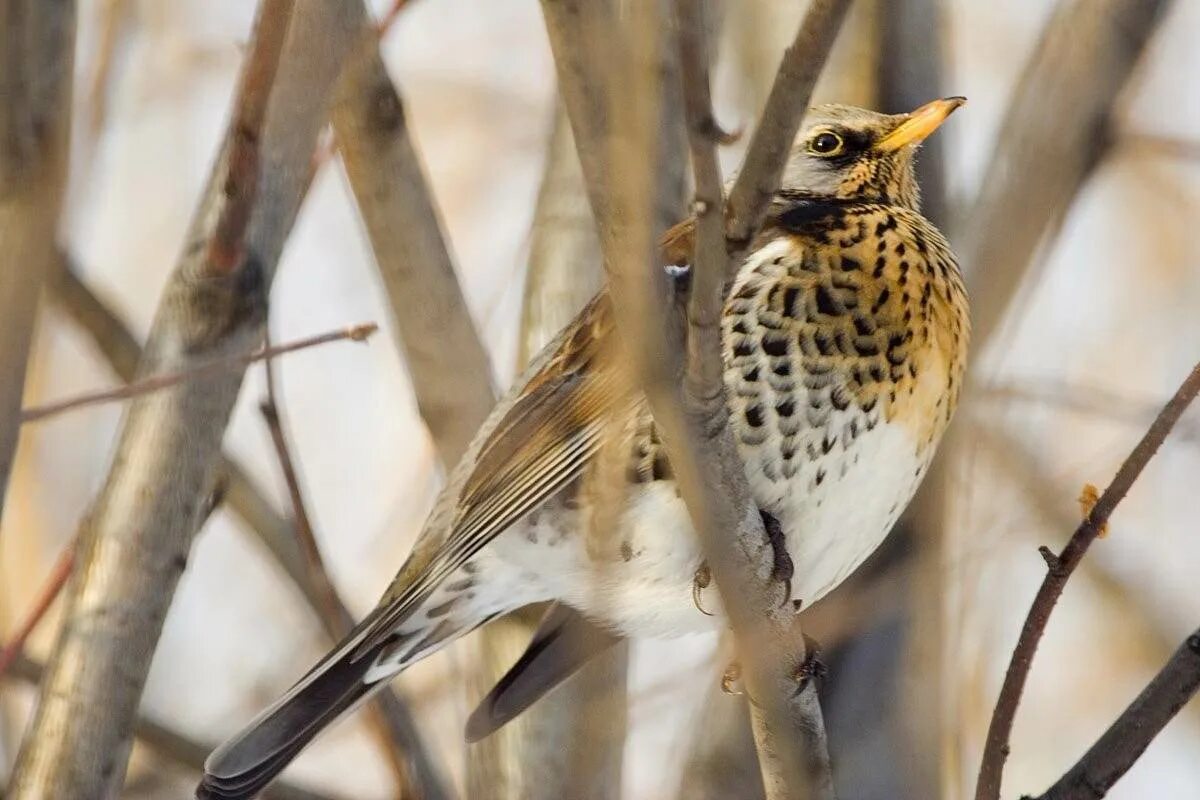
(640, 581)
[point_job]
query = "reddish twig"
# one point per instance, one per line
(50, 590)
(154, 383)
(1061, 566)
(390, 16)
(225, 247)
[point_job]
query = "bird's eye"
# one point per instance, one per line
(826, 144)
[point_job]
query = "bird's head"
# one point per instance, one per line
(850, 153)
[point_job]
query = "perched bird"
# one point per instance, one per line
(845, 338)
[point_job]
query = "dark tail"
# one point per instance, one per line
(244, 765)
(565, 640)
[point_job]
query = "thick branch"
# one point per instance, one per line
(247, 500)
(1126, 739)
(1060, 568)
(1086, 55)
(135, 543)
(430, 313)
(37, 45)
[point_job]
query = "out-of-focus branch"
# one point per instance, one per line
(50, 591)
(165, 380)
(1126, 739)
(570, 743)
(1086, 55)
(1060, 567)
(451, 374)
(244, 497)
(910, 74)
(169, 743)
(37, 45)
(135, 543)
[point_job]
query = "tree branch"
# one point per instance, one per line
(776, 132)
(37, 45)
(165, 380)
(135, 544)
(1126, 739)
(1061, 566)
(244, 497)
(1086, 55)
(50, 590)
(428, 308)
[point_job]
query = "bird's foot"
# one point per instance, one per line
(730, 678)
(701, 581)
(813, 667)
(783, 568)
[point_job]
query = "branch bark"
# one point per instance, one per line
(1126, 739)
(431, 317)
(1060, 567)
(583, 37)
(1086, 55)
(135, 543)
(246, 499)
(37, 45)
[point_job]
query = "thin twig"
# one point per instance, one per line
(336, 618)
(154, 383)
(1061, 566)
(1128, 737)
(331, 607)
(51, 589)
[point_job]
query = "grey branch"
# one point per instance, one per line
(1126, 739)
(169, 743)
(37, 45)
(136, 541)
(583, 37)
(1086, 55)
(450, 371)
(569, 744)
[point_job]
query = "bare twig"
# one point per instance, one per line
(395, 731)
(50, 590)
(772, 141)
(37, 43)
(165, 380)
(1126, 739)
(1086, 55)
(1060, 568)
(135, 543)
(1159, 145)
(169, 743)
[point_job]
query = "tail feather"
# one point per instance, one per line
(245, 764)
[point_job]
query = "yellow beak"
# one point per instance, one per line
(920, 123)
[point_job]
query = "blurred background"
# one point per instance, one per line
(1101, 330)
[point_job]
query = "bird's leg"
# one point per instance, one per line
(783, 569)
(700, 582)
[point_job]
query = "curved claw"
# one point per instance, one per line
(700, 582)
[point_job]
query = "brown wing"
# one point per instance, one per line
(542, 443)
